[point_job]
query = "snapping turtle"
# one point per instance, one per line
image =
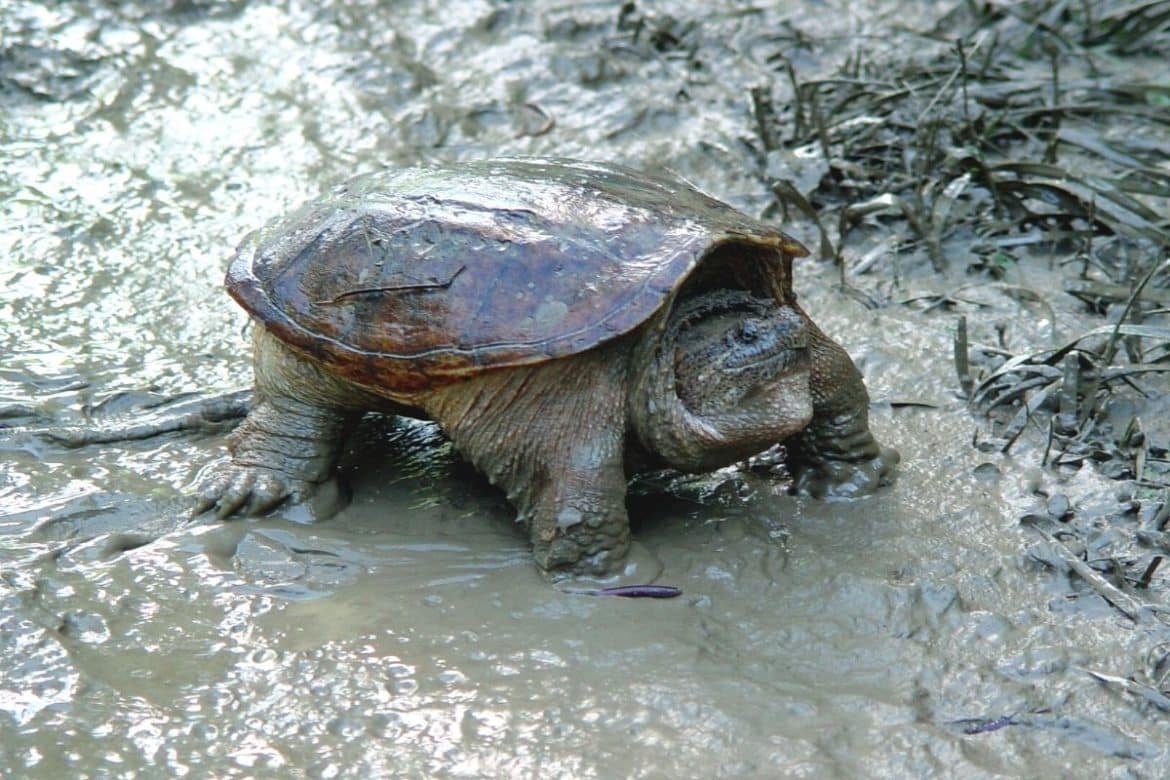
(567, 324)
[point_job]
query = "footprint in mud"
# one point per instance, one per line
(280, 563)
(99, 526)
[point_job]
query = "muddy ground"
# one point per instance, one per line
(984, 186)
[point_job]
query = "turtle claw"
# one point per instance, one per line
(842, 477)
(583, 550)
(268, 492)
(247, 490)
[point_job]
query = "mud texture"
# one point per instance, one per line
(997, 613)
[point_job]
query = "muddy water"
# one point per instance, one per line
(411, 635)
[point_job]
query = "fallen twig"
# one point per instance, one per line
(1123, 602)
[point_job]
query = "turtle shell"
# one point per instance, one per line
(408, 279)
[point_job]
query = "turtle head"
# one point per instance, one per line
(725, 377)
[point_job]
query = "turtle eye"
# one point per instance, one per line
(748, 331)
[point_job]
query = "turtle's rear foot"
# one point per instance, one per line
(283, 453)
(231, 488)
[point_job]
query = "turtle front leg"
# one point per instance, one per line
(836, 454)
(577, 518)
(553, 437)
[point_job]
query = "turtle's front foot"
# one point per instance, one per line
(839, 459)
(829, 477)
(582, 550)
(579, 526)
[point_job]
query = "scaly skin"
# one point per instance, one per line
(559, 455)
(560, 437)
(287, 447)
(836, 455)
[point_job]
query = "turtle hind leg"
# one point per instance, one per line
(286, 449)
(553, 437)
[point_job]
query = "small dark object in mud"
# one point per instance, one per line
(632, 591)
(983, 726)
(567, 324)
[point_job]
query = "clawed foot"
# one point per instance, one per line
(249, 490)
(232, 488)
(843, 477)
(580, 550)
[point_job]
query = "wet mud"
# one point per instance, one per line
(998, 611)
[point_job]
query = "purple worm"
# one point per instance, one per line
(634, 591)
(987, 726)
